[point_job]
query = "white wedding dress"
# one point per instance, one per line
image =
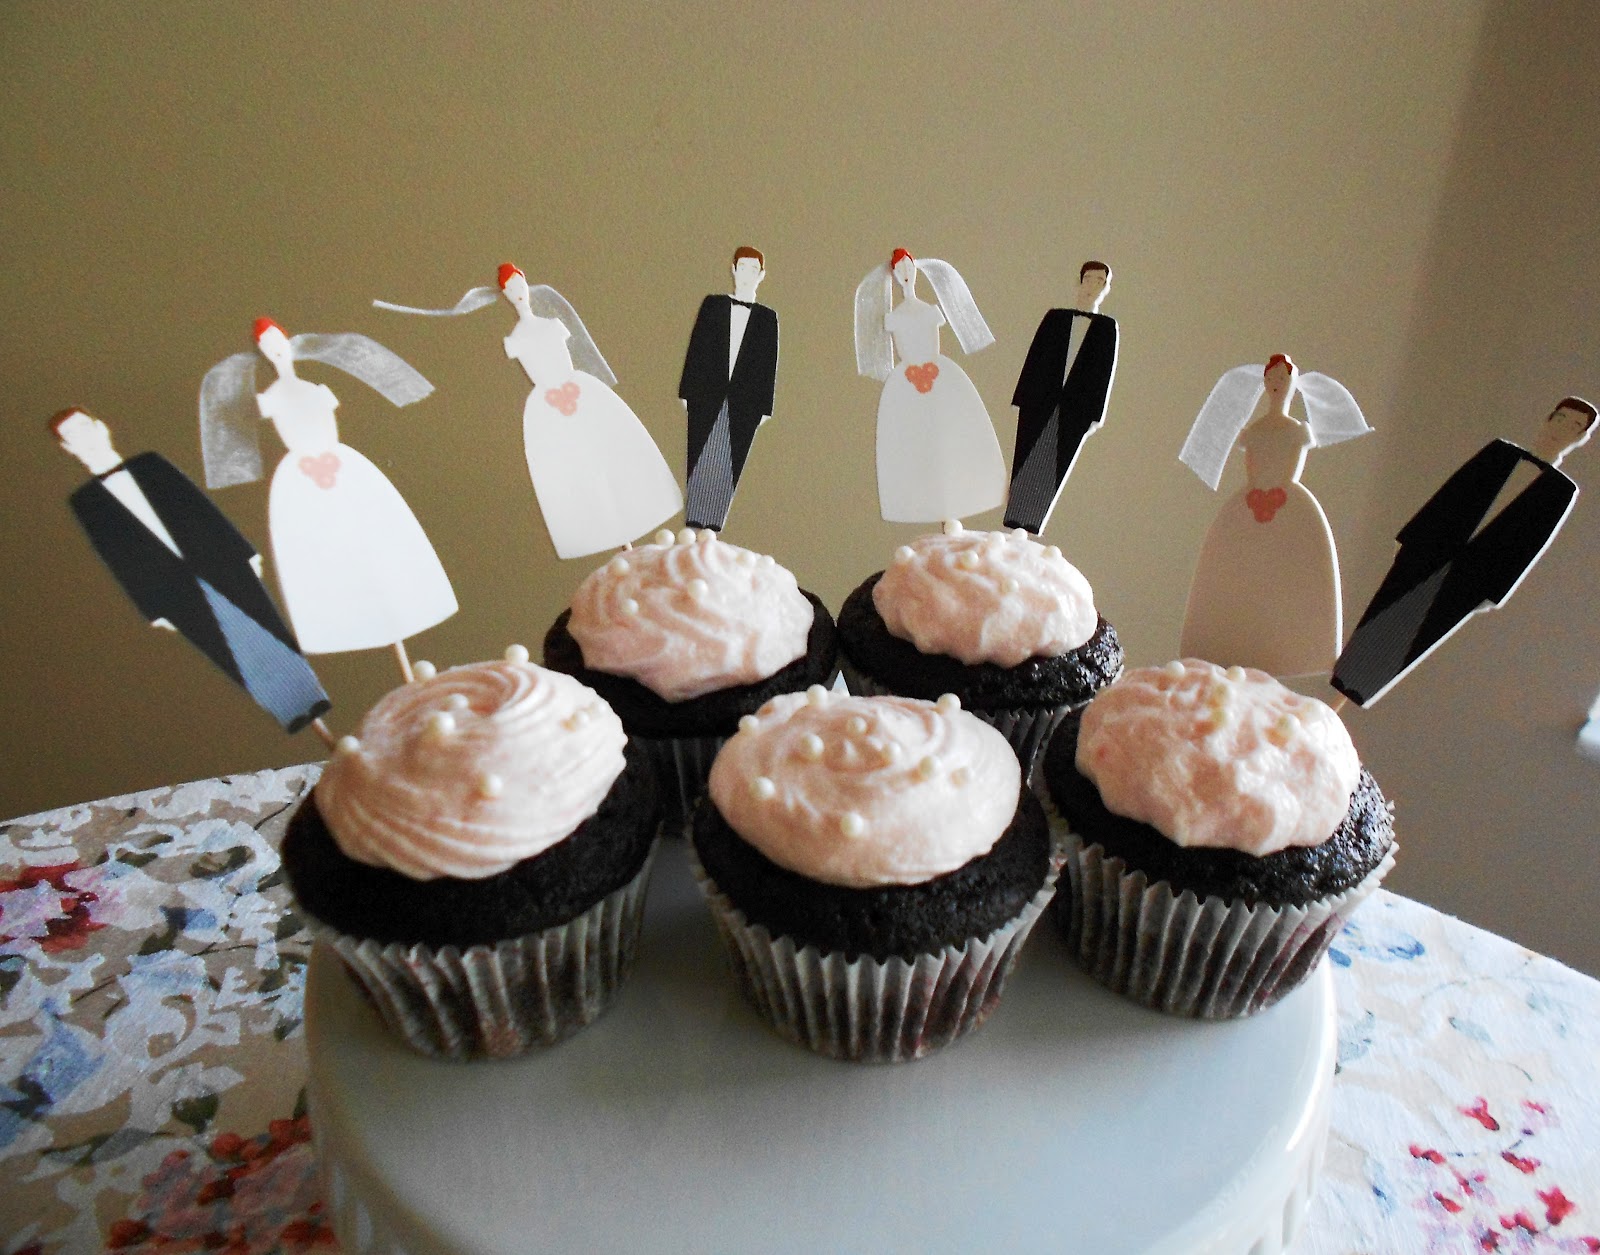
(600, 480)
(938, 457)
(355, 568)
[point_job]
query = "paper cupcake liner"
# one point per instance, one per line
(682, 765)
(1206, 958)
(870, 1010)
(500, 1000)
(1027, 728)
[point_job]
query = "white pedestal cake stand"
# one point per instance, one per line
(1071, 1121)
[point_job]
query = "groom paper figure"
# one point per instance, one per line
(1061, 397)
(1465, 551)
(729, 374)
(188, 569)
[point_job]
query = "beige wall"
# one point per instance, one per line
(1403, 199)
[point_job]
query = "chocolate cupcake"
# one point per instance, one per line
(478, 857)
(874, 866)
(685, 636)
(1006, 624)
(1220, 829)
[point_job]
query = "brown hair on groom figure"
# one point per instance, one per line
(1465, 551)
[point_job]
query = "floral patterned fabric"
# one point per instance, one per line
(152, 1064)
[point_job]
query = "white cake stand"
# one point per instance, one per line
(1072, 1121)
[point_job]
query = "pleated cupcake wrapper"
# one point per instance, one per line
(682, 765)
(1205, 958)
(870, 1010)
(500, 1000)
(1028, 729)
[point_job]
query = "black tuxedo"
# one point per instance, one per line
(165, 585)
(1450, 567)
(1049, 396)
(707, 387)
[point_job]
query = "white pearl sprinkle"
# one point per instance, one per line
(490, 785)
(766, 559)
(855, 725)
(960, 776)
(1053, 552)
(949, 703)
(347, 745)
(686, 536)
(952, 527)
(663, 537)
(811, 746)
(629, 606)
(1282, 731)
(698, 589)
(424, 670)
(816, 695)
(1234, 673)
(576, 720)
(970, 560)
(706, 535)
(746, 558)
(620, 566)
(852, 825)
(1009, 585)
(1175, 669)
(889, 749)
(904, 553)
(458, 701)
(763, 789)
(927, 768)
(517, 653)
(749, 723)
(1019, 533)
(441, 723)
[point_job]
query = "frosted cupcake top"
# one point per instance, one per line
(470, 771)
(998, 597)
(1219, 758)
(689, 615)
(866, 791)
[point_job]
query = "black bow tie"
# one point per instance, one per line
(746, 304)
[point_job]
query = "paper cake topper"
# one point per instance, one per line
(1464, 551)
(188, 569)
(1060, 397)
(730, 372)
(938, 457)
(599, 479)
(354, 566)
(1265, 591)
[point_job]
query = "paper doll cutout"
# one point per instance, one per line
(354, 566)
(599, 479)
(730, 372)
(1061, 397)
(1465, 551)
(188, 569)
(1265, 591)
(938, 457)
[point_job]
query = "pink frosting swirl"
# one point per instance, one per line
(471, 771)
(866, 791)
(687, 617)
(997, 597)
(1219, 758)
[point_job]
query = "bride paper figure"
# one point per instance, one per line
(355, 568)
(600, 480)
(1266, 588)
(938, 457)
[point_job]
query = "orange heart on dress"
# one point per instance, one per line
(1265, 502)
(564, 398)
(922, 376)
(322, 470)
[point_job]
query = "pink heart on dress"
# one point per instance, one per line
(322, 470)
(1265, 502)
(564, 398)
(922, 376)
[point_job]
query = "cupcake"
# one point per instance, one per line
(478, 857)
(1220, 830)
(1006, 624)
(874, 866)
(684, 637)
